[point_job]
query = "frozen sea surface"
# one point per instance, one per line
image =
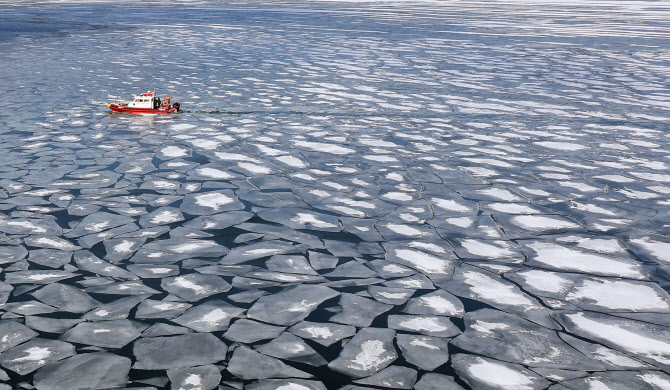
(357, 195)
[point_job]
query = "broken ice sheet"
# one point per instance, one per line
(14, 334)
(160, 353)
(208, 203)
(561, 258)
(66, 298)
(290, 305)
(244, 253)
(97, 222)
(507, 337)
(437, 267)
(248, 364)
(646, 341)
(87, 370)
(205, 377)
(302, 219)
(160, 309)
(428, 325)
(290, 347)
(211, 316)
(247, 331)
(274, 384)
(122, 248)
(370, 351)
(484, 373)
(439, 302)
(323, 333)
(425, 352)
(358, 311)
(396, 377)
(35, 353)
(194, 287)
(107, 334)
(473, 283)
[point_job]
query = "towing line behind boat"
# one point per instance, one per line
(148, 103)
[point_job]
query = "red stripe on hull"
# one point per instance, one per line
(141, 110)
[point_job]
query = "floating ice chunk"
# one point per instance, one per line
(116, 310)
(208, 203)
(451, 205)
(425, 352)
(50, 325)
(543, 223)
(160, 353)
(173, 151)
(324, 147)
(148, 271)
(499, 193)
(359, 311)
(290, 264)
(393, 296)
(248, 364)
(14, 333)
(647, 341)
(395, 377)
(483, 373)
(507, 337)
(428, 325)
(98, 222)
(34, 354)
(211, 172)
(370, 351)
(290, 347)
(323, 333)
(542, 282)
(302, 219)
(490, 249)
(436, 303)
(66, 298)
(491, 289)
(46, 227)
(620, 295)
(194, 287)
(160, 309)
(398, 196)
(250, 252)
(122, 248)
(107, 334)
(100, 370)
(292, 161)
(205, 377)
(513, 208)
(424, 262)
(50, 243)
(566, 259)
(37, 276)
(123, 288)
(660, 250)
(161, 216)
(610, 358)
(247, 331)
(211, 316)
(291, 305)
(430, 381)
(88, 262)
(285, 384)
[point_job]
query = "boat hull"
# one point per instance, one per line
(136, 110)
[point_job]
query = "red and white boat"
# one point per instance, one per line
(148, 103)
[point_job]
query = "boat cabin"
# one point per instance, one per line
(147, 100)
